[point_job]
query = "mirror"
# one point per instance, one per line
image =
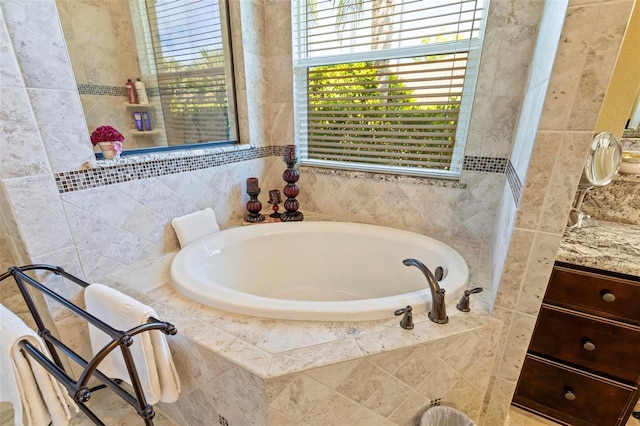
(603, 162)
(179, 50)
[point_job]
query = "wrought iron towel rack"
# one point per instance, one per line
(78, 389)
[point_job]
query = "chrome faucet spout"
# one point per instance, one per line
(438, 313)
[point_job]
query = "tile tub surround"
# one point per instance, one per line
(255, 371)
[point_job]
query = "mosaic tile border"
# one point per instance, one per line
(126, 169)
(102, 90)
(485, 164)
(110, 174)
(514, 183)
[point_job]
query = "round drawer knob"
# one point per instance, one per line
(568, 394)
(588, 345)
(608, 297)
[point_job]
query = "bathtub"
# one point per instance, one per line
(317, 271)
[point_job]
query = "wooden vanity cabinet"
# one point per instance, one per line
(583, 363)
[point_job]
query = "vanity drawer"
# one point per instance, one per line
(609, 296)
(601, 346)
(572, 396)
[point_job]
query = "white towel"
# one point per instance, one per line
(195, 225)
(150, 350)
(24, 382)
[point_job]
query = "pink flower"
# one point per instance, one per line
(107, 134)
(117, 146)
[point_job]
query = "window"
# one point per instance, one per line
(189, 55)
(385, 85)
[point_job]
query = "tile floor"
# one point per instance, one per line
(114, 413)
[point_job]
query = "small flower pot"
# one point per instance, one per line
(108, 150)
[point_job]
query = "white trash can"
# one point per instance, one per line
(445, 416)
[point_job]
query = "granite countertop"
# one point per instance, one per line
(610, 246)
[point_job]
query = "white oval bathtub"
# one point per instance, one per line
(323, 271)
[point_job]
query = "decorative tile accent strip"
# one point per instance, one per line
(514, 183)
(125, 169)
(485, 164)
(100, 90)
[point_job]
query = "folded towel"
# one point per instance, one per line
(195, 225)
(24, 382)
(150, 350)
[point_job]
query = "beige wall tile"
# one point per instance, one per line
(511, 281)
(22, 152)
(538, 270)
(536, 184)
(564, 181)
(39, 44)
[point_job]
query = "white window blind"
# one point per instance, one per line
(385, 85)
(193, 66)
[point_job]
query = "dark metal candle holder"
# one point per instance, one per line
(274, 198)
(254, 206)
(291, 176)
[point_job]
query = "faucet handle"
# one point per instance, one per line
(463, 304)
(407, 320)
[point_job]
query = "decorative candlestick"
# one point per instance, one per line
(253, 205)
(274, 198)
(291, 176)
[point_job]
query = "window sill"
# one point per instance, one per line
(386, 177)
(163, 156)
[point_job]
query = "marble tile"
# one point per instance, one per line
(276, 418)
(392, 360)
(603, 47)
(278, 23)
(536, 277)
(398, 338)
(67, 259)
(298, 398)
(410, 411)
(39, 44)
(511, 278)
(535, 186)
(504, 315)
(516, 346)
(233, 348)
(388, 397)
(280, 78)
(498, 408)
(564, 177)
(549, 32)
(21, 150)
(529, 118)
(335, 375)
(364, 381)
(10, 75)
(417, 367)
(568, 64)
(39, 213)
(310, 357)
(438, 382)
(8, 223)
(64, 132)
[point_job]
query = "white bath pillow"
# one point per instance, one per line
(195, 225)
